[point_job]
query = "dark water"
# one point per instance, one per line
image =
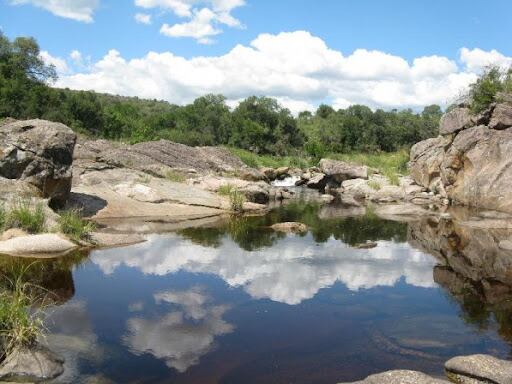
(239, 303)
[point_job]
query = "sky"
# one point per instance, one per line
(381, 53)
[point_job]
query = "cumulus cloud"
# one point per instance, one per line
(181, 336)
(60, 64)
(142, 18)
(297, 68)
(79, 10)
(291, 271)
(203, 17)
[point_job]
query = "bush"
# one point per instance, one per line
(72, 224)
(226, 189)
(25, 215)
(374, 185)
(175, 176)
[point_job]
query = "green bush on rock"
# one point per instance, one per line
(72, 224)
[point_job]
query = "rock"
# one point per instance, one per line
(505, 245)
(251, 174)
(341, 171)
(426, 159)
(108, 240)
(12, 233)
(457, 119)
(401, 212)
(388, 194)
(256, 193)
(282, 172)
(253, 207)
(318, 181)
(476, 369)
(367, 245)
(270, 173)
(400, 377)
(357, 188)
(41, 153)
(327, 198)
(46, 244)
(290, 227)
(501, 117)
(31, 363)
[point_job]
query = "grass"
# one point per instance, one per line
(389, 164)
(257, 161)
(24, 215)
(237, 200)
(72, 224)
(374, 185)
(175, 176)
(19, 325)
(226, 189)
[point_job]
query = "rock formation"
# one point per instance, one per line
(470, 162)
(38, 152)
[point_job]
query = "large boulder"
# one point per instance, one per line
(400, 377)
(341, 171)
(501, 117)
(457, 119)
(39, 152)
(36, 363)
(476, 369)
(46, 244)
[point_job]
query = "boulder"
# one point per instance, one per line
(37, 363)
(401, 212)
(388, 194)
(251, 174)
(39, 152)
(426, 159)
(341, 171)
(318, 181)
(282, 172)
(457, 119)
(501, 117)
(400, 377)
(476, 369)
(256, 193)
(37, 245)
(357, 188)
(290, 227)
(270, 173)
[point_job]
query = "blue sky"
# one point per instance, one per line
(331, 31)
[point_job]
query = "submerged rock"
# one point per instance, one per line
(479, 369)
(37, 363)
(400, 377)
(290, 227)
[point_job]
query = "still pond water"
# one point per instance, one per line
(239, 303)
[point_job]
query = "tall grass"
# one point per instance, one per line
(237, 200)
(72, 224)
(20, 324)
(24, 215)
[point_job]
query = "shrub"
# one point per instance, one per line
(237, 200)
(24, 215)
(374, 185)
(72, 224)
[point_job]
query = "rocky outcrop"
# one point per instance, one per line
(341, 171)
(40, 153)
(470, 163)
(37, 245)
(476, 369)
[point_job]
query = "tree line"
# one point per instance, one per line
(258, 124)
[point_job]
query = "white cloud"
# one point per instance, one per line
(182, 336)
(204, 17)
(295, 67)
(292, 270)
(79, 10)
(477, 59)
(142, 18)
(60, 64)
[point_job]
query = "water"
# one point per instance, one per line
(239, 303)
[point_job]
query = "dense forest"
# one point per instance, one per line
(258, 124)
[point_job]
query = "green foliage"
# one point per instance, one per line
(72, 224)
(236, 200)
(19, 325)
(483, 92)
(25, 215)
(254, 160)
(373, 184)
